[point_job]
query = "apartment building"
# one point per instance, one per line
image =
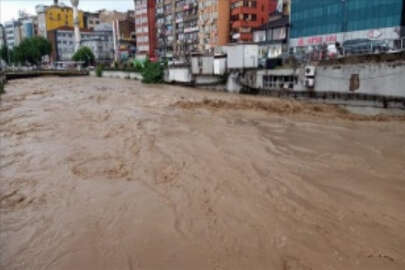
(164, 28)
(186, 27)
(247, 15)
(12, 33)
(177, 27)
(213, 24)
(100, 41)
(54, 17)
(145, 25)
(91, 19)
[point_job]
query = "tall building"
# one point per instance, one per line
(247, 15)
(27, 28)
(12, 32)
(186, 15)
(213, 24)
(165, 28)
(177, 28)
(145, 25)
(54, 17)
(334, 21)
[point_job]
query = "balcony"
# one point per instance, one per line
(242, 36)
(243, 10)
(238, 24)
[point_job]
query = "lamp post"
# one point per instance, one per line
(75, 4)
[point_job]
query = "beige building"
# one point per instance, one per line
(213, 24)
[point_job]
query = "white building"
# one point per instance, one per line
(12, 33)
(100, 41)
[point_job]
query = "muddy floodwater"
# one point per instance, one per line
(111, 174)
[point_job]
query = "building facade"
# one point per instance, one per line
(272, 38)
(247, 15)
(213, 24)
(12, 33)
(165, 28)
(145, 25)
(177, 28)
(27, 28)
(54, 17)
(124, 38)
(313, 24)
(187, 29)
(91, 20)
(100, 41)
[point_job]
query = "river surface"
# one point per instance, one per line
(111, 174)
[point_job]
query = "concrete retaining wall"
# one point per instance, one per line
(380, 79)
(119, 74)
(386, 79)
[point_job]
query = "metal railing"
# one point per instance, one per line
(326, 52)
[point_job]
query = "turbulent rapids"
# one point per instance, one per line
(112, 174)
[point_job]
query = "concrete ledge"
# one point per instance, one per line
(119, 74)
(12, 75)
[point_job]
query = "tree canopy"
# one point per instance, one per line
(31, 50)
(5, 54)
(84, 54)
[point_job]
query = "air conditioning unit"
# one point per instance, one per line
(310, 71)
(309, 82)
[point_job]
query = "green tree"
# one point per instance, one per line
(31, 50)
(5, 54)
(84, 54)
(152, 72)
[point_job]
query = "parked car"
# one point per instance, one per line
(363, 45)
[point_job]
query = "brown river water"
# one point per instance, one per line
(112, 174)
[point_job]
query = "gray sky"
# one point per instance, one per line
(9, 8)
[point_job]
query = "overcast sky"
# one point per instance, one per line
(9, 8)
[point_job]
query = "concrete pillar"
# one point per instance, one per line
(76, 23)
